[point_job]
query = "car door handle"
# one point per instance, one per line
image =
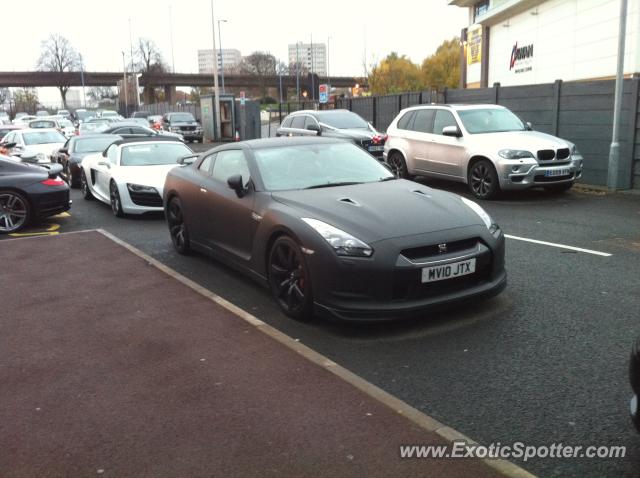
(203, 190)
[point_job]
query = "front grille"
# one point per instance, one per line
(540, 178)
(187, 128)
(425, 252)
(563, 153)
(146, 199)
(546, 154)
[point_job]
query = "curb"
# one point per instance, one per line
(506, 468)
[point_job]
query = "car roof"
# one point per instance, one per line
(39, 130)
(457, 106)
(152, 139)
(120, 124)
(287, 141)
(320, 112)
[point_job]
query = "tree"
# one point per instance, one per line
(58, 56)
(260, 64)
(395, 74)
(443, 67)
(99, 93)
(25, 99)
(150, 62)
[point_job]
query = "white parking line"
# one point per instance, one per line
(561, 246)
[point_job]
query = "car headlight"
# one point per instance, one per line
(492, 226)
(342, 242)
(575, 154)
(514, 154)
(139, 188)
(41, 157)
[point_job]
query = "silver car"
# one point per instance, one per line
(486, 147)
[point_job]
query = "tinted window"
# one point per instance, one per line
(298, 122)
(182, 117)
(343, 120)
(287, 122)
(405, 121)
(443, 118)
(136, 130)
(228, 163)
(205, 165)
(43, 137)
(423, 121)
(309, 120)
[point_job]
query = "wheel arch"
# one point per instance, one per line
(472, 161)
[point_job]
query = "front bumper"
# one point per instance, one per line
(188, 135)
(527, 173)
(388, 285)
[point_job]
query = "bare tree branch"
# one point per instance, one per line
(58, 56)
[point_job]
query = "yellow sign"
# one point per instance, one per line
(474, 44)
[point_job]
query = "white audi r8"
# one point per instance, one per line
(129, 175)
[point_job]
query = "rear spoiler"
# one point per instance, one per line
(54, 169)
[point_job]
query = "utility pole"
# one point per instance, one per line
(614, 150)
(216, 93)
(132, 67)
(298, 70)
(124, 86)
(173, 63)
(84, 93)
(328, 66)
(313, 86)
(221, 54)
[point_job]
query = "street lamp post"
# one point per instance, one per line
(298, 71)
(328, 66)
(216, 92)
(124, 86)
(221, 55)
(173, 63)
(84, 93)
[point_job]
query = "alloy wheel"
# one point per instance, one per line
(481, 180)
(287, 277)
(177, 228)
(13, 212)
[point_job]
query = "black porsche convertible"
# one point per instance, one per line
(331, 231)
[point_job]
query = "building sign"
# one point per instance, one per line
(324, 93)
(474, 45)
(521, 58)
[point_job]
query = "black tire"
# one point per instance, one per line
(289, 279)
(398, 165)
(84, 186)
(72, 180)
(483, 180)
(15, 211)
(177, 228)
(114, 199)
(558, 188)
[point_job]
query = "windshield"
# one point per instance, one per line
(92, 145)
(43, 137)
(93, 127)
(109, 113)
(317, 165)
(153, 153)
(182, 117)
(84, 114)
(490, 120)
(342, 120)
(65, 123)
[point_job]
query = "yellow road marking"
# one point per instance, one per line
(52, 230)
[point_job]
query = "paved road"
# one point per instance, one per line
(545, 362)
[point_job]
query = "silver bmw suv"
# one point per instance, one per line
(485, 146)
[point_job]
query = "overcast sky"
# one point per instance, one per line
(100, 30)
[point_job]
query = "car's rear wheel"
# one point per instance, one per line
(116, 203)
(84, 186)
(15, 211)
(558, 188)
(177, 227)
(289, 279)
(398, 165)
(483, 180)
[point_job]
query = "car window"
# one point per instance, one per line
(287, 122)
(9, 137)
(136, 130)
(443, 118)
(228, 163)
(405, 121)
(298, 122)
(423, 121)
(122, 131)
(309, 121)
(206, 164)
(112, 152)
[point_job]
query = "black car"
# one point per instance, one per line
(76, 148)
(334, 124)
(28, 192)
(332, 231)
(184, 124)
(634, 379)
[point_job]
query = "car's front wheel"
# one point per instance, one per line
(398, 165)
(84, 186)
(177, 227)
(116, 203)
(483, 180)
(558, 188)
(15, 211)
(289, 279)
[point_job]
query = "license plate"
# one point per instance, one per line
(448, 271)
(376, 148)
(549, 173)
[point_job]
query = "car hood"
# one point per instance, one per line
(352, 133)
(144, 175)
(526, 140)
(46, 148)
(382, 210)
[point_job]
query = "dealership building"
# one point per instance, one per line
(526, 42)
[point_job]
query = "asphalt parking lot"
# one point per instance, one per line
(545, 362)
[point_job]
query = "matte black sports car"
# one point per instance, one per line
(29, 191)
(76, 148)
(332, 231)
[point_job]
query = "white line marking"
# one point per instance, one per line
(561, 246)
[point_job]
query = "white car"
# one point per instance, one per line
(129, 175)
(24, 119)
(43, 142)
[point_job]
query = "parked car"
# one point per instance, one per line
(76, 149)
(44, 143)
(334, 124)
(129, 129)
(23, 119)
(4, 118)
(29, 192)
(129, 175)
(140, 114)
(63, 125)
(84, 115)
(65, 113)
(6, 128)
(155, 121)
(42, 113)
(183, 123)
(90, 127)
(332, 231)
(485, 146)
(634, 379)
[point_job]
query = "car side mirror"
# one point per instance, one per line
(104, 163)
(314, 127)
(528, 126)
(63, 151)
(235, 182)
(453, 131)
